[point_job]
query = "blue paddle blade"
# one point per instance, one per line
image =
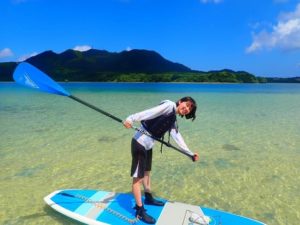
(28, 75)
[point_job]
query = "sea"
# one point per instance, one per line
(247, 137)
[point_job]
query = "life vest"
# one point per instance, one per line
(158, 126)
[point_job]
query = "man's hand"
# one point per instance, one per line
(127, 124)
(195, 157)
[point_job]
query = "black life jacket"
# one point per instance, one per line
(158, 126)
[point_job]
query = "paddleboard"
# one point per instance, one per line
(99, 207)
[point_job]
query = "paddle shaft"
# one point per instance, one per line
(120, 121)
(95, 108)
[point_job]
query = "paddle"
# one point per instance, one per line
(28, 75)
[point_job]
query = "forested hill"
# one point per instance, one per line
(125, 66)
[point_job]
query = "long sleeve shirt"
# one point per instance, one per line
(166, 107)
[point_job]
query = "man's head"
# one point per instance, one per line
(187, 107)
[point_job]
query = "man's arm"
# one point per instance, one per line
(182, 145)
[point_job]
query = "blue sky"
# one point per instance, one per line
(258, 36)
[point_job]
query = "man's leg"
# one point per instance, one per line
(149, 200)
(146, 182)
(136, 190)
(140, 210)
(137, 173)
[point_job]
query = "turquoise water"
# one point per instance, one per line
(247, 136)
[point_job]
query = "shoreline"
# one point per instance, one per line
(122, 82)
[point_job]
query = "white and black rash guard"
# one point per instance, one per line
(166, 107)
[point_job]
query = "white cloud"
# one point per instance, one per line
(24, 57)
(82, 48)
(128, 49)
(284, 35)
(211, 1)
(6, 52)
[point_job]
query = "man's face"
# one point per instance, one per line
(184, 108)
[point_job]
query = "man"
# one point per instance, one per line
(155, 121)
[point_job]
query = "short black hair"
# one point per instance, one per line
(192, 114)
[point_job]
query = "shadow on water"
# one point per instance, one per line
(107, 139)
(29, 172)
(110, 139)
(229, 147)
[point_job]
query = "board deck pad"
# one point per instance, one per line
(177, 213)
(97, 207)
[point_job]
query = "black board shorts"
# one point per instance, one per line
(141, 159)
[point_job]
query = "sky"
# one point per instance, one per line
(261, 37)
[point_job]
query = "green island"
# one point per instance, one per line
(128, 66)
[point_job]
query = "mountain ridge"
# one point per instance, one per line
(126, 66)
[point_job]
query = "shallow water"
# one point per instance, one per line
(248, 138)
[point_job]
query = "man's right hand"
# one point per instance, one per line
(127, 124)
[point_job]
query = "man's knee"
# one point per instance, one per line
(137, 180)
